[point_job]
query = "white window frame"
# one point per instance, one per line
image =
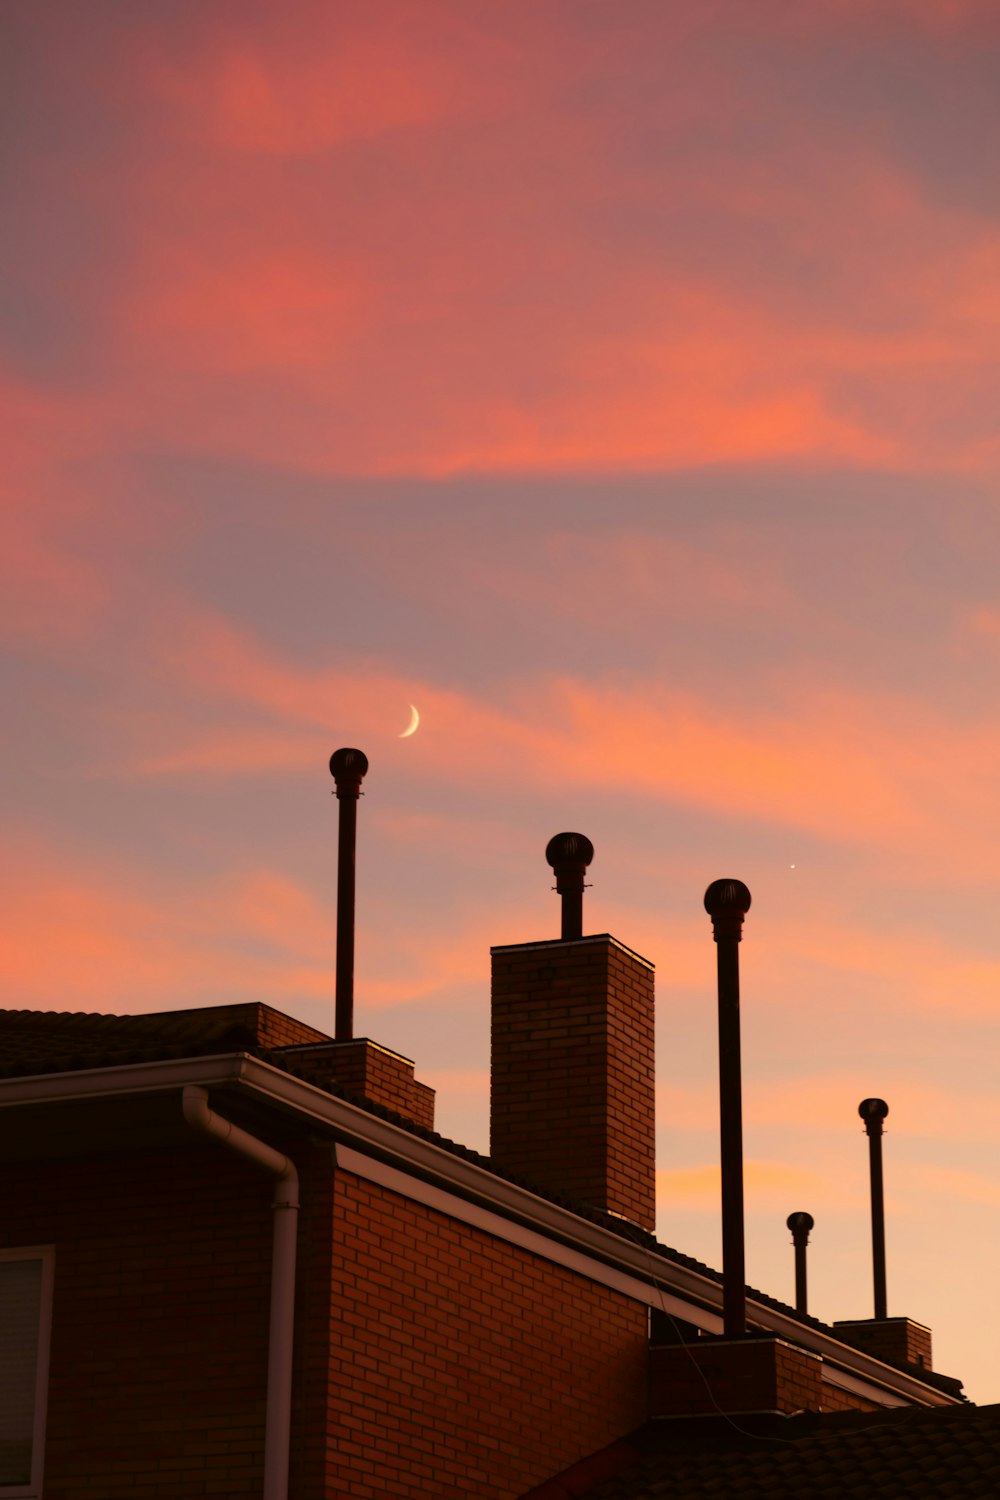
(47, 1255)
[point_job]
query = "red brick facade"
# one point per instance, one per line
(572, 1099)
(271, 1027)
(455, 1336)
(368, 1071)
(744, 1375)
(431, 1359)
(835, 1398)
(457, 1360)
(159, 1320)
(896, 1340)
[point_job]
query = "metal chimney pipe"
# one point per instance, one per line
(800, 1225)
(873, 1112)
(727, 903)
(348, 768)
(569, 854)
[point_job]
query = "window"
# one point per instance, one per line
(25, 1316)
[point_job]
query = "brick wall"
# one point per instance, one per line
(159, 1325)
(368, 1071)
(457, 1365)
(898, 1341)
(272, 1028)
(835, 1398)
(572, 1100)
(431, 1359)
(275, 1029)
(461, 1365)
(742, 1375)
(745, 1375)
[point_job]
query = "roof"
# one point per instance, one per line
(42, 1041)
(37, 1042)
(912, 1453)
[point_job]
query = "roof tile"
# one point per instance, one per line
(914, 1453)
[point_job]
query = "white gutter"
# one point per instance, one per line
(123, 1078)
(277, 1430)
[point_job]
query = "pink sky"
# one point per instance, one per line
(617, 383)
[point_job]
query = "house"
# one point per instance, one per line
(237, 1260)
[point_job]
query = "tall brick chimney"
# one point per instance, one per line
(572, 1101)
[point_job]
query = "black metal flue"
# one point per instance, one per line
(873, 1112)
(727, 903)
(348, 768)
(569, 854)
(800, 1224)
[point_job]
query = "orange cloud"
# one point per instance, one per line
(264, 86)
(428, 960)
(828, 1102)
(461, 1107)
(845, 766)
(115, 937)
(421, 312)
(228, 752)
(982, 622)
(281, 311)
(109, 936)
(77, 940)
(767, 1183)
(709, 378)
(47, 593)
(956, 1182)
(671, 370)
(818, 1103)
(937, 15)
(472, 264)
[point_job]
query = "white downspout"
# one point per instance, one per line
(277, 1432)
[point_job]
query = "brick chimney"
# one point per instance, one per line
(897, 1341)
(366, 1071)
(571, 1101)
(749, 1375)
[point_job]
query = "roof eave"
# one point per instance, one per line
(370, 1134)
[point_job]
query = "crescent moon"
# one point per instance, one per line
(411, 728)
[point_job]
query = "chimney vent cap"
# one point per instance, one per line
(569, 849)
(348, 762)
(873, 1109)
(727, 898)
(800, 1221)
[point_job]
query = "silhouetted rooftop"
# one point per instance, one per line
(39, 1042)
(912, 1453)
(42, 1041)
